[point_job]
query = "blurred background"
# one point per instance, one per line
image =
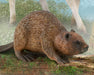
(86, 8)
(58, 7)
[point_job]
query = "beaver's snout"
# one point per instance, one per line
(85, 49)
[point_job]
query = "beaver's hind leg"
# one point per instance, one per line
(20, 41)
(24, 56)
(19, 51)
(19, 45)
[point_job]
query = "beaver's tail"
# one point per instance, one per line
(6, 47)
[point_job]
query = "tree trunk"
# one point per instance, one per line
(44, 5)
(73, 22)
(12, 11)
(91, 41)
(73, 6)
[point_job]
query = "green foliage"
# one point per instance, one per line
(60, 10)
(3, 56)
(56, 69)
(31, 64)
(69, 70)
(4, 10)
(24, 7)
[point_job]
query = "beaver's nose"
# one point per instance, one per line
(86, 48)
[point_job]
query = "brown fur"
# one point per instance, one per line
(41, 31)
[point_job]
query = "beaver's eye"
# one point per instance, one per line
(67, 36)
(78, 43)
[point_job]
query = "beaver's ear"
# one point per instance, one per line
(72, 30)
(67, 36)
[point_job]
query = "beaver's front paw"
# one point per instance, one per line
(62, 62)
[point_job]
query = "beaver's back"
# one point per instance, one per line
(34, 25)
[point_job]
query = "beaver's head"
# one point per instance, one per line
(70, 43)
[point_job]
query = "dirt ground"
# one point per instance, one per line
(40, 67)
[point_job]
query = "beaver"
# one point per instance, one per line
(42, 32)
